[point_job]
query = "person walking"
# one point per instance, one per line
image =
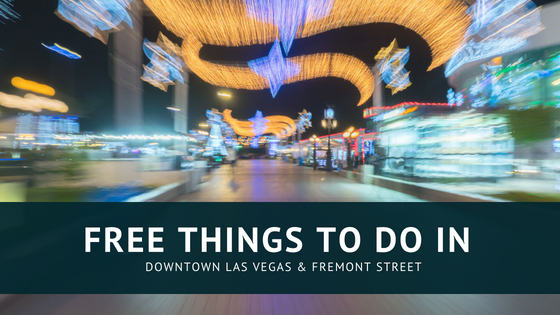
(232, 159)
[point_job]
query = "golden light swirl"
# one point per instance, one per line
(441, 23)
(312, 66)
(280, 126)
(241, 128)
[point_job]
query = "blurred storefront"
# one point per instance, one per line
(362, 147)
(462, 145)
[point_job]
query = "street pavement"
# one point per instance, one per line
(280, 304)
(277, 181)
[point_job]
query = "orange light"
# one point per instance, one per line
(346, 134)
(409, 110)
(496, 61)
(32, 86)
(355, 134)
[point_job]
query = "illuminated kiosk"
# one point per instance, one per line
(524, 84)
(437, 141)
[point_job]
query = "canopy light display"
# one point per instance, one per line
(165, 66)
(280, 126)
(442, 24)
(6, 11)
(32, 102)
(498, 27)
(391, 61)
(63, 51)
(288, 15)
(32, 86)
(312, 66)
(275, 68)
(96, 18)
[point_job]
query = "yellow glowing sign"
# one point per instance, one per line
(32, 86)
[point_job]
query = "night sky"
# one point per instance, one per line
(86, 84)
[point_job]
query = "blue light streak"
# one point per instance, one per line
(6, 11)
(474, 51)
(63, 51)
(275, 68)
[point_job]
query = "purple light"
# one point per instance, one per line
(255, 142)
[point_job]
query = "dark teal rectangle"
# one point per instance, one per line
(513, 248)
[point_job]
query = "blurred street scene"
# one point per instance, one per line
(115, 102)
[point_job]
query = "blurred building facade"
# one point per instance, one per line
(524, 85)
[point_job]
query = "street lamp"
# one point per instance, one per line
(350, 135)
(329, 123)
(224, 95)
(314, 139)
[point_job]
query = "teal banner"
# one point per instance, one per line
(283, 248)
